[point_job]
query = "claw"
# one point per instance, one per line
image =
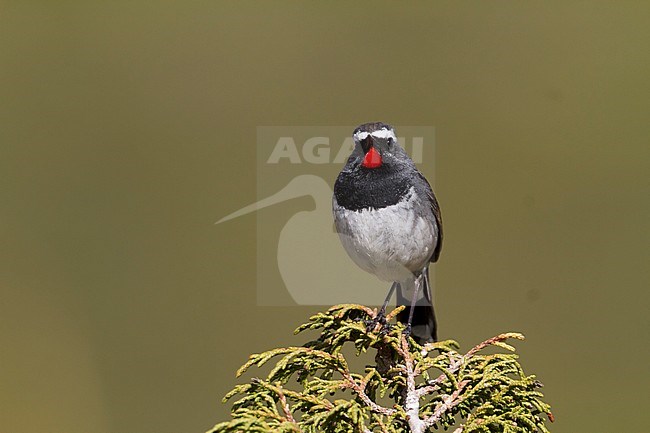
(385, 329)
(371, 325)
(380, 319)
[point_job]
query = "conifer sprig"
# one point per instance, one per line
(311, 388)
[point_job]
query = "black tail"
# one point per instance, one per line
(423, 325)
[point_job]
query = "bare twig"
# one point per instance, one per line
(449, 402)
(285, 406)
(412, 401)
(360, 389)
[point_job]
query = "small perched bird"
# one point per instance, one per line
(389, 222)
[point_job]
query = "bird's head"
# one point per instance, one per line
(376, 140)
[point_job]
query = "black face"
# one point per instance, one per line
(360, 186)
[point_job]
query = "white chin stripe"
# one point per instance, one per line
(381, 133)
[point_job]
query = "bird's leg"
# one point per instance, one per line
(416, 292)
(381, 315)
(382, 310)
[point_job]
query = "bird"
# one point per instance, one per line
(389, 222)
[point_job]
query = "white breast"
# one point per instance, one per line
(391, 242)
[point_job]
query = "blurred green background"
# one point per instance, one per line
(128, 128)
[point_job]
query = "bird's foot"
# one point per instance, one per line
(379, 321)
(407, 330)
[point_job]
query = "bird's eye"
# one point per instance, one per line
(390, 141)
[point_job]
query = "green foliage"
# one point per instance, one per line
(430, 387)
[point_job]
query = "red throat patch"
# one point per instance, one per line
(372, 159)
